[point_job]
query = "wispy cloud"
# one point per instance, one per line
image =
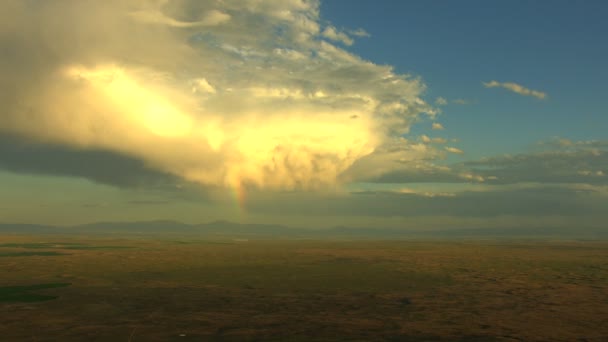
(516, 88)
(566, 162)
(359, 33)
(334, 34)
(441, 101)
(532, 201)
(437, 140)
(155, 16)
(454, 150)
(562, 162)
(425, 193)
(461, 101)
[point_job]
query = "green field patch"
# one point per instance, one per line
(26, 254)
(25, 293)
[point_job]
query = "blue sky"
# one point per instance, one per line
(405, 114)
(557, 47)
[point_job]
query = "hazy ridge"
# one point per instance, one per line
(270, 231)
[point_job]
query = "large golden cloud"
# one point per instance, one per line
(224, 93)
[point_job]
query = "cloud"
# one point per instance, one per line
(427, 140)
(534, 201)
(100, 166)
(155, 16)
(441, 101)
(425, 193)
(359, 33)
(516, 88)
(223, 94)
(437, 126)
(560, 162)
(454, 150)
(417, 172)
(581, 162)
(332, 33)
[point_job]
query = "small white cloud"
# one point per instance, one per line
(599, 173)
(427, 140)
(454, 150)
(471, 177)
(461, 101)
(437, 126)
(441, 101)
(516, 88)
(425, 193)
(359, 33)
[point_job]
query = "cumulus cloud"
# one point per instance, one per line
(516, 88)
(222, 93)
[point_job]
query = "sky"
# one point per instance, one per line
(405, 114)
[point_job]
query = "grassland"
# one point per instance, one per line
(98, 289)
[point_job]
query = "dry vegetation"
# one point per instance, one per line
(161, 290)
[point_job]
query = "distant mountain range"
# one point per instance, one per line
(269, 231)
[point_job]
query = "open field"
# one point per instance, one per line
(57, 288)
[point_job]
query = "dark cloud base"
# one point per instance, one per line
(20, 156)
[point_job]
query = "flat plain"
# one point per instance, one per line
(68, 288)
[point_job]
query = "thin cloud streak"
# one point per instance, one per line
(516, 88)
